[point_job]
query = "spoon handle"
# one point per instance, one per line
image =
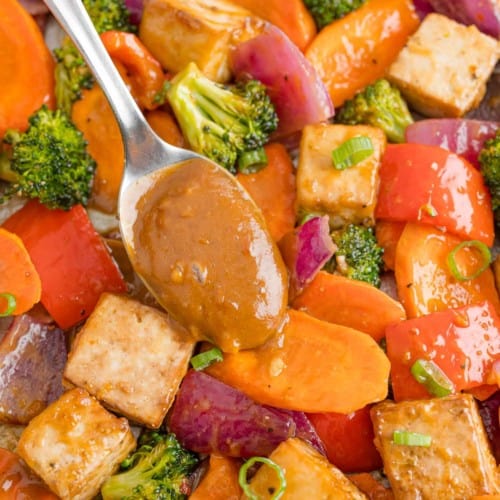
(139, 140)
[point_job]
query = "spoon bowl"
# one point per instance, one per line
(193, 234)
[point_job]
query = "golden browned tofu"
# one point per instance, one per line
(347, 196)
(178, 32)
(74, 445)
(443, 69)
(308, 474)
(458, 462)
(131, 357)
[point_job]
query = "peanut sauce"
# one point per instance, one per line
(205, 252)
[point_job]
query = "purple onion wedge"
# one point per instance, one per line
(209, 416)
(489, 410)
(304, 428)
(485, 14)
(462, 136)
(135, 9)
(296, 90)
(305, 251)
(32, 359)
(422, 7)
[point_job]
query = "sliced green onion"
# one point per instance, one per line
(430, 375)
(352, 152)
(478, 245)
(206, 358)
(245, 486)
(305, 216)
(11, 304)
(252, 161)
(407, 438)
(429, 210)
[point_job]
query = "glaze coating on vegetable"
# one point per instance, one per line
(336, 336)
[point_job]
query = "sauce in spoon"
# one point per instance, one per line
(206, 255)
(192, 232)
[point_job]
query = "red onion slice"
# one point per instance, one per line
(462, 136)
(489, 410)
(298, 93)
(422, 7)
(209, 416)
(32, 359)
(306, 250)
(135, 8)
(485, 14)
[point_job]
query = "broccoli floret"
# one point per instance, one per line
(158, 470)
(109, 15)
(326, 11)
(380, 105)
(228, 124)
(72, 73)
(358, 256)
(49, 161)
(489, 161)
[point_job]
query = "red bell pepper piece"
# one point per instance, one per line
(431, 185)
(145, 74)
(463, 342)
(73, 262)
(348, 439)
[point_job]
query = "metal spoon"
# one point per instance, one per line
(192, 232)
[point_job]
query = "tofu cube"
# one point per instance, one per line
(457, 464)
(308, 474)
(443, 69)
(75, 444)
(131, 357)
(178, 32)
(347, 196)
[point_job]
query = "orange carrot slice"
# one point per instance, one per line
(273, 190)
(92, 115)
(297, 23)
(220, 481)
(351, 303)
(18, 275)
(164, 124)
(354, 51)
(27, 69)
(311, 366)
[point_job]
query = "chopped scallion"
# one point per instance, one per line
(352, 152)
(206, 358)
(245, 486)
(11, 304)
(485, 255)
(428, 209)
(407, 438)
(305, 216)
(430, 375)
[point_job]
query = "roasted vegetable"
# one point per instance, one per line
(358, 255)
(158, 469)
(72, 73)
(229, 124)
(489, 161)
(326, 11)
(49, 161)
(379, 105)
